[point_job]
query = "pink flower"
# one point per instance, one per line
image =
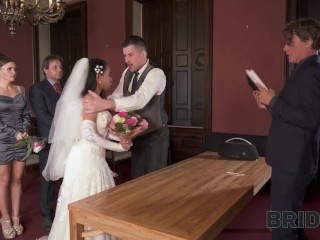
(127, 124)
(131, 121)
(37, 147)
(123, 114)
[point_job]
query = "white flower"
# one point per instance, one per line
(116, 118)
(98, 69)
(37, 147)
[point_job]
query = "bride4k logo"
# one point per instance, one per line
(289, 219)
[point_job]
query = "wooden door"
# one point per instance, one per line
(179, 38)
(188, 62)
(69, 36)
(157, 32)
(174, 31)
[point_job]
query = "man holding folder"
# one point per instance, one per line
(293, 141)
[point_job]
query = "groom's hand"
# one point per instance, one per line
(93, 103)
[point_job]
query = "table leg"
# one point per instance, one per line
(76, 229)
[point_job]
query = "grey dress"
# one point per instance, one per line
(15, 117)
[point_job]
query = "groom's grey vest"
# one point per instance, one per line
(154, 111)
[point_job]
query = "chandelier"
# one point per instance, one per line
(35, 12)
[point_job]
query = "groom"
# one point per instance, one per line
(141, 89)
(43, 98)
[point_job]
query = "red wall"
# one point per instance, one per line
(106, 27)
(106, 32)
(246, 34)
(19, 48)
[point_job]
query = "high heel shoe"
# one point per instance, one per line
(8, 233)
(18, 228)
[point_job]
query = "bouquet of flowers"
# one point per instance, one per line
(33, 144)
(127, 124)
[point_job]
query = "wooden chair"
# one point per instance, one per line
(32, 160)
(114, 157)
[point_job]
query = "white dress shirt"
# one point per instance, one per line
(153, 84)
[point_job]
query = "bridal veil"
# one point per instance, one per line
(66, 126)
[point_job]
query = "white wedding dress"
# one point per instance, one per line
(86, 173)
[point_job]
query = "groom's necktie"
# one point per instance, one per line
(134, 85)
(57, 87)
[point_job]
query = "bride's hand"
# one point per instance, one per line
(113, 132)
(126, 143)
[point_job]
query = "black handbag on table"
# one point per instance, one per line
(239, 149)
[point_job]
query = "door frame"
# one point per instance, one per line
(78, 6)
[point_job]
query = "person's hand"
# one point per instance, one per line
(126, 143)
(265, 95)
(25, 134)
(135, 132)
(21, 135)
(256, 97)
(93, 103)
(143, 126)
(113, 132)
(125, 138)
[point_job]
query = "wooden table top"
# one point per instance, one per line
(193, 199)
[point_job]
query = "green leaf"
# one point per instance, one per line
(27, 154)
(21, 143)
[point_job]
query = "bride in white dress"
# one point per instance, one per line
(78, 146)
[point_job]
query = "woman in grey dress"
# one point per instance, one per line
(14, 124)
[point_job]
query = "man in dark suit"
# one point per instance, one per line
(43, 98)
(293, 142)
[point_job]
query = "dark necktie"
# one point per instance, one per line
(293, 70)
(134, 85)
(57, 87)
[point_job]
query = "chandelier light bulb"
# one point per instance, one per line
(14, 12)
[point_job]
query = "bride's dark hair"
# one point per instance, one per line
(96, 66)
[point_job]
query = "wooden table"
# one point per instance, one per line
(193, 199)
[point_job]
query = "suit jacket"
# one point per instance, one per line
(293, 140)
(43, 99)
